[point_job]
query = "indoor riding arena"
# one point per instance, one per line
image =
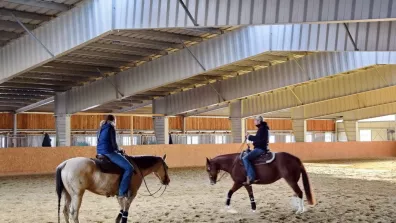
(191, 85)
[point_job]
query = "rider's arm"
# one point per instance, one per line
(252, 138)
(113, 139)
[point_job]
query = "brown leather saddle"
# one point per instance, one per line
(266, 158)
(106, 166)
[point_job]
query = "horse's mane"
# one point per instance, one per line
(225, 156)
(145, 162)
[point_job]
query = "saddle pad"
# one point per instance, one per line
(106, 166)
(266, 158)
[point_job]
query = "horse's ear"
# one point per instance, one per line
(207, 161)
(164, 158)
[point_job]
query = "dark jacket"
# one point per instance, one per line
(107, 142)
(260, 140)
(46, 141)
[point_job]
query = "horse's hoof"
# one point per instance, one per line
(228, 207)
(254, 211)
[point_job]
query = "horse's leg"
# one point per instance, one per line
(75, 206)
(119, 216)
(249, 189)
(234, 188)
(66, 208)
(125, 204)
(294, 185)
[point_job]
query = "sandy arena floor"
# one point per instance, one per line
(350, 191)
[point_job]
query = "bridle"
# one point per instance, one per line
(145, 183)
(233, 164)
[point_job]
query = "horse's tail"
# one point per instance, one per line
(59, 185)
(307, 186)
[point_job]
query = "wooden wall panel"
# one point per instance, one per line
(274, 124)
(142, 123)
(6, 121)
(175, 123)
(86, 122)
(123, 122)
(35, 121)
(321, 125)
(91, 122)
(207, 124)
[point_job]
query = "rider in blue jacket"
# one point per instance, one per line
(107, 146)
(260, 143)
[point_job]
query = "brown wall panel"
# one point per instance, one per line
(274, 124)
(91, 122)
(207, 124)
(35, 121)
(6, 121)
(175, 123)
(321, 125)
(142, 123)
(86, 122)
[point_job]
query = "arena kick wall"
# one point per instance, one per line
(27, 161)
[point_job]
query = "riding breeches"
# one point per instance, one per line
(248, 159)
(124, 164)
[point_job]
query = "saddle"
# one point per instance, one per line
(265, 158)
(106, 166)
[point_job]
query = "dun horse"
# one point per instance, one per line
(76, 175)
(268, 170)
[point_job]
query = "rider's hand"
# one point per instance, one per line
(247, 135)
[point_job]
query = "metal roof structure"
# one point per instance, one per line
(102, 58)
(31, 13)
(306, 59)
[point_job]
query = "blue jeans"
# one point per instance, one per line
(247, 159)
(124, 164)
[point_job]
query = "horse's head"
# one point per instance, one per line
(212, 170)
(161, 171)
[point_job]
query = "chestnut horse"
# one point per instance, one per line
(76, 175)
(284, 166)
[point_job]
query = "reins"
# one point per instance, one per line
(145, 183)
(233, 164)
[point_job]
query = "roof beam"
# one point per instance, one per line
(24, 15)
(207, 109)
(4, 35)
(111, 56)
(244, 43)
(41, 76)
(91, 61)
(206, 30)
(15, 25)
(290, 73)
(42, 4)
(33, 86)
(36, 105)
(351, 109)
(23, 80)
(128, 49)
(21, 97)
(30, 93)
(151, 43)
(327, 96)
(134, 107)
(13, 101)
(77, 68)
(53, 71)
(169, 35)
